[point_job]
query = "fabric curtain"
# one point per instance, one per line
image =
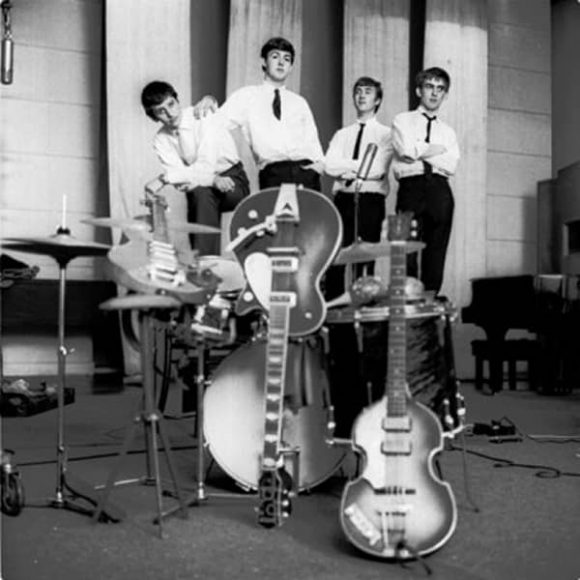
(146, 40)
(376, 44)
(456, 40)
(252, 23)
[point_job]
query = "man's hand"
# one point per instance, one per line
(156, 184)
(205, 106)
(224, 184)
(348, 175)
(434, 149)
(317, 166)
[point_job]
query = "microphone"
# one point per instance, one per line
(365, 164)
(155, 185)
(7, 60)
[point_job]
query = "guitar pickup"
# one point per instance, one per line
(283, 298)
(284, 265)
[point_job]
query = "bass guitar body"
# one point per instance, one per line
(398, 508)
(234, 423)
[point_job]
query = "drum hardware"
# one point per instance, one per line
(63, 247)
(143, 223)
(148, 415)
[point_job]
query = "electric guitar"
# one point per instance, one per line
(151, 265)
(258, 225)
(398, 508)
(283, 257)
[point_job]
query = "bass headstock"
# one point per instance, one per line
(401, 227)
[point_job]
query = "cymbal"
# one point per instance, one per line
(143, 222)
(367, 251)
(60, 245)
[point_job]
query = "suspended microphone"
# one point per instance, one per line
(367, 161)
(7, 60)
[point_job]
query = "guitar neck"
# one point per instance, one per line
(396, 389)
(276, 356)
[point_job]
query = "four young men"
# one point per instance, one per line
(199, 156)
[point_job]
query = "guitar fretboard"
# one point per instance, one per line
(276, 353)
(397, 351)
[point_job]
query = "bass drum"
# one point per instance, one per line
(234, 414)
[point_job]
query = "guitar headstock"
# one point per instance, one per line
(400, 227)
(274, 489)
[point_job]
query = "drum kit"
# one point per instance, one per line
(230, 400)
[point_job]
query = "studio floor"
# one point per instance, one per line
(518, 503)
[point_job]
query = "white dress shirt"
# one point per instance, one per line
(409, 132)
(211, 150)
(292, 138)
(339, 159)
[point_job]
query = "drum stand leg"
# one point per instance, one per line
(458, 406)
(200, 494)
(153, 424)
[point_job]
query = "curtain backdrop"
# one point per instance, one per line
(456, 40)
(376, 44)
(252, 23)
(145, 40)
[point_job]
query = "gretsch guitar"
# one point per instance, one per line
(398, 508)
(284, 238)
(151, 265)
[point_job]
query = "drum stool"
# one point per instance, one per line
(510, 351)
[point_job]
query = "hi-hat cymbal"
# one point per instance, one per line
(367, 251)
(60, 245)
(143, 222)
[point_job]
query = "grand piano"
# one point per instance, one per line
(500, 304)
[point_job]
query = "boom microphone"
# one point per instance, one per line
(367, 161)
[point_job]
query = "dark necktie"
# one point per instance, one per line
(276, 106)
(356, 150)
(427, 166)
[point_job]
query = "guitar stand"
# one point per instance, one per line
(148, 416)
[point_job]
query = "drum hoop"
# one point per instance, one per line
(381, 313)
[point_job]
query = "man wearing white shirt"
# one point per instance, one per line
(343, 160)
(426, 155)
(276, 122)
(199, 157)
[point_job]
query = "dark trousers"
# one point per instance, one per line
(206, 204)
(275, 174)
(430, 200)
(371, 214)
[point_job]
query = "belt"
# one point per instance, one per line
(288, 163)
(423, 176)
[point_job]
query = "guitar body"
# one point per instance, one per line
(398, 501)
(150, 264)
(316, 237)
(129, 266)
(234, 423)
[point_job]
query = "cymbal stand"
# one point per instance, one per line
(65, 494)
(152, 420)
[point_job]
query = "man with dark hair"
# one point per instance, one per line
(276, 122)
(343, 160)
(426, 156)
(199, 157)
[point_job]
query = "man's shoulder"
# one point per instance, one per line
(404, 115)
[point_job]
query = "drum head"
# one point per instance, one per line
(230, 272)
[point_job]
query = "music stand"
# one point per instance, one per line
(63, 248)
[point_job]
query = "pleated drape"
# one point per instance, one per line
(145, 40)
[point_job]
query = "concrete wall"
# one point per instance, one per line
(50, 125)
(519, 130)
